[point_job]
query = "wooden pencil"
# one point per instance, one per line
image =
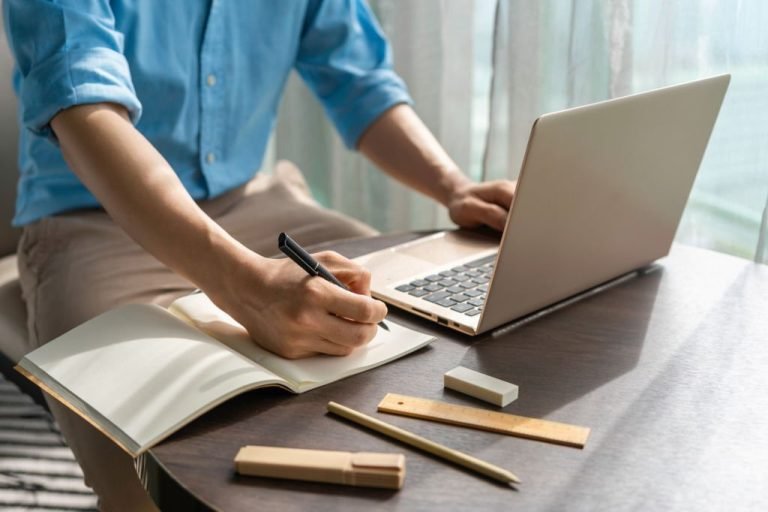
(422, 443)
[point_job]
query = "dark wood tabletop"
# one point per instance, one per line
(668, 369)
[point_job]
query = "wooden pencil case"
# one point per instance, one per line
(361, 469)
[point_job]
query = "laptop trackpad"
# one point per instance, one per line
(423, 255)
(448, 246)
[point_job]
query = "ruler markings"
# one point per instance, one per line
(519, 426)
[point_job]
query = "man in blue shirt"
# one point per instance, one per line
(143, 125)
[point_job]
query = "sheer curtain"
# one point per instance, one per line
(548, 55)
(553, 54)
(433, 47)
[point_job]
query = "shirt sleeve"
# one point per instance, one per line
(347, 62)
(67, 53)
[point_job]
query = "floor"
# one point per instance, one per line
(37, 469)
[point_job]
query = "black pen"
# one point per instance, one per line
(312, 267)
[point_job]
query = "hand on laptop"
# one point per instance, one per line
(294, 315)
(401, 145)
(472, 205)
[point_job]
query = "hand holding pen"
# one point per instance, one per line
(311, 266)
(294, 316)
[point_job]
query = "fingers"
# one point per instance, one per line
(486, 213)
(483, 203)
(347, 334)
(295, 315)
(499, 192)
(315, 347)
(355, 304)
(320, 332)
(312, 347)
(347, 304)
(340, 316)
(330, 348)
(354, 276)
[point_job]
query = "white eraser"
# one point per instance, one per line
(479, 385)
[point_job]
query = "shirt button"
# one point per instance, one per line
(211, 80)
(210, 158)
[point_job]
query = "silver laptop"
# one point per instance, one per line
(600, 194)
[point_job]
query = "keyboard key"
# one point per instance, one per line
(418, 292)
(460, 268)
(405, 288)
(433, 287)
(447, 282)
(473, 293)
(448, 273)
(485, 270)
(474, 312)
(460, 297)
(455, 289)
(437, 296)
(461, 308)
(467, 285)
(434, 278)
(446, 303)
(483, 288)
(474, 273)
(476, 302)
(419, 283)
(480, 280)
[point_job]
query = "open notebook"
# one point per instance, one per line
(138, 373)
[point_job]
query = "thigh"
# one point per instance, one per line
(72, 268)
(282, 202)
(75, 266)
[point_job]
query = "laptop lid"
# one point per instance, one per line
(601, 192)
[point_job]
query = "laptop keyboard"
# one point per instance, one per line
(462, 289)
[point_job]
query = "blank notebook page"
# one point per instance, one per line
(145, 370)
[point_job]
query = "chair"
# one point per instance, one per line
(13, 314)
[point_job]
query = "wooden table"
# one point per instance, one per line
(670, 371)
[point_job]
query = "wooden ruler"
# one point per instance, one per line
(519, 426)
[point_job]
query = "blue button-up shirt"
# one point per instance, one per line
(200, 79)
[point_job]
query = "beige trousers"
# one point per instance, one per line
(77, 265)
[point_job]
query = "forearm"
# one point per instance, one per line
(401, 145)
(142, 194)
(272, 298)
